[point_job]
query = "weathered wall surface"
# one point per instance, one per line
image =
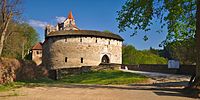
(37, 56)
(57, 49)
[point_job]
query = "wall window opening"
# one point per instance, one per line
(38, 52)
(65, 59)
(81, 60)
(81, 40)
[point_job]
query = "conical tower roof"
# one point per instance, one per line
(70, 16)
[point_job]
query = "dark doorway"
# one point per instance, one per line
(105, 59)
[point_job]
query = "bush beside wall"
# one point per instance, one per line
(13, 69)
(8, 68)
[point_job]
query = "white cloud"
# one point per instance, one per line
(60, 19)
(41, 24)
(37, 23)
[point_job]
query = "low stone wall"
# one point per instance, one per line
(104, 66)
(60, 73)
(162, 68)
(187, 69)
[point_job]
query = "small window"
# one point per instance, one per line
(38, 52)
(81, 60)
(65, 59)
(66, 40)
(109, 42)
(96, 40)
(80, 39)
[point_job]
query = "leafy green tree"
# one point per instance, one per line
(181, 17)
(184, 50)
(9, 9)
(130, 55)
(19, 43)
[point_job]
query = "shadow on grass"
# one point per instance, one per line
(79, 81)
(160, 89)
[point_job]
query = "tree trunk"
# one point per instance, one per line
(3, 36)
(23, 53)
(196, 81)
(2, 41)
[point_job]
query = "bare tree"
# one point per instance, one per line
(9, 9)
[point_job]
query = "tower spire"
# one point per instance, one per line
(70, 16)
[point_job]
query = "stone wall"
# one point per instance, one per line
(62, 72)
(67, 51)
(162, 68)
(104, 66)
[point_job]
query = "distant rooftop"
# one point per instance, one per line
(38, 46)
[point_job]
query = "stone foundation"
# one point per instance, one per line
(60, 73)
(105, 66)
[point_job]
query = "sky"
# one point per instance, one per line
(89, 15)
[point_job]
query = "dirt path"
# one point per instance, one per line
(161, 77)
(161, 87)
(94, 92)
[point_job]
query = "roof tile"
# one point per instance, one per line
(37, 46)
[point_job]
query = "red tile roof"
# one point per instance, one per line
(37, 46)
(70, 16)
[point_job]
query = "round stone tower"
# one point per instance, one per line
(67, 46)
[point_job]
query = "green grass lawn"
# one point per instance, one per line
(111, 77)
(10, 86)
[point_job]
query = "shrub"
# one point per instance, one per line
(13, 69)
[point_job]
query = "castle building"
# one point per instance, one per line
(68, 24)
(37, 53)
(66, 46)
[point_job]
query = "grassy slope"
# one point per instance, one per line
(111, 77)
(105, 77)
(10, 86)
